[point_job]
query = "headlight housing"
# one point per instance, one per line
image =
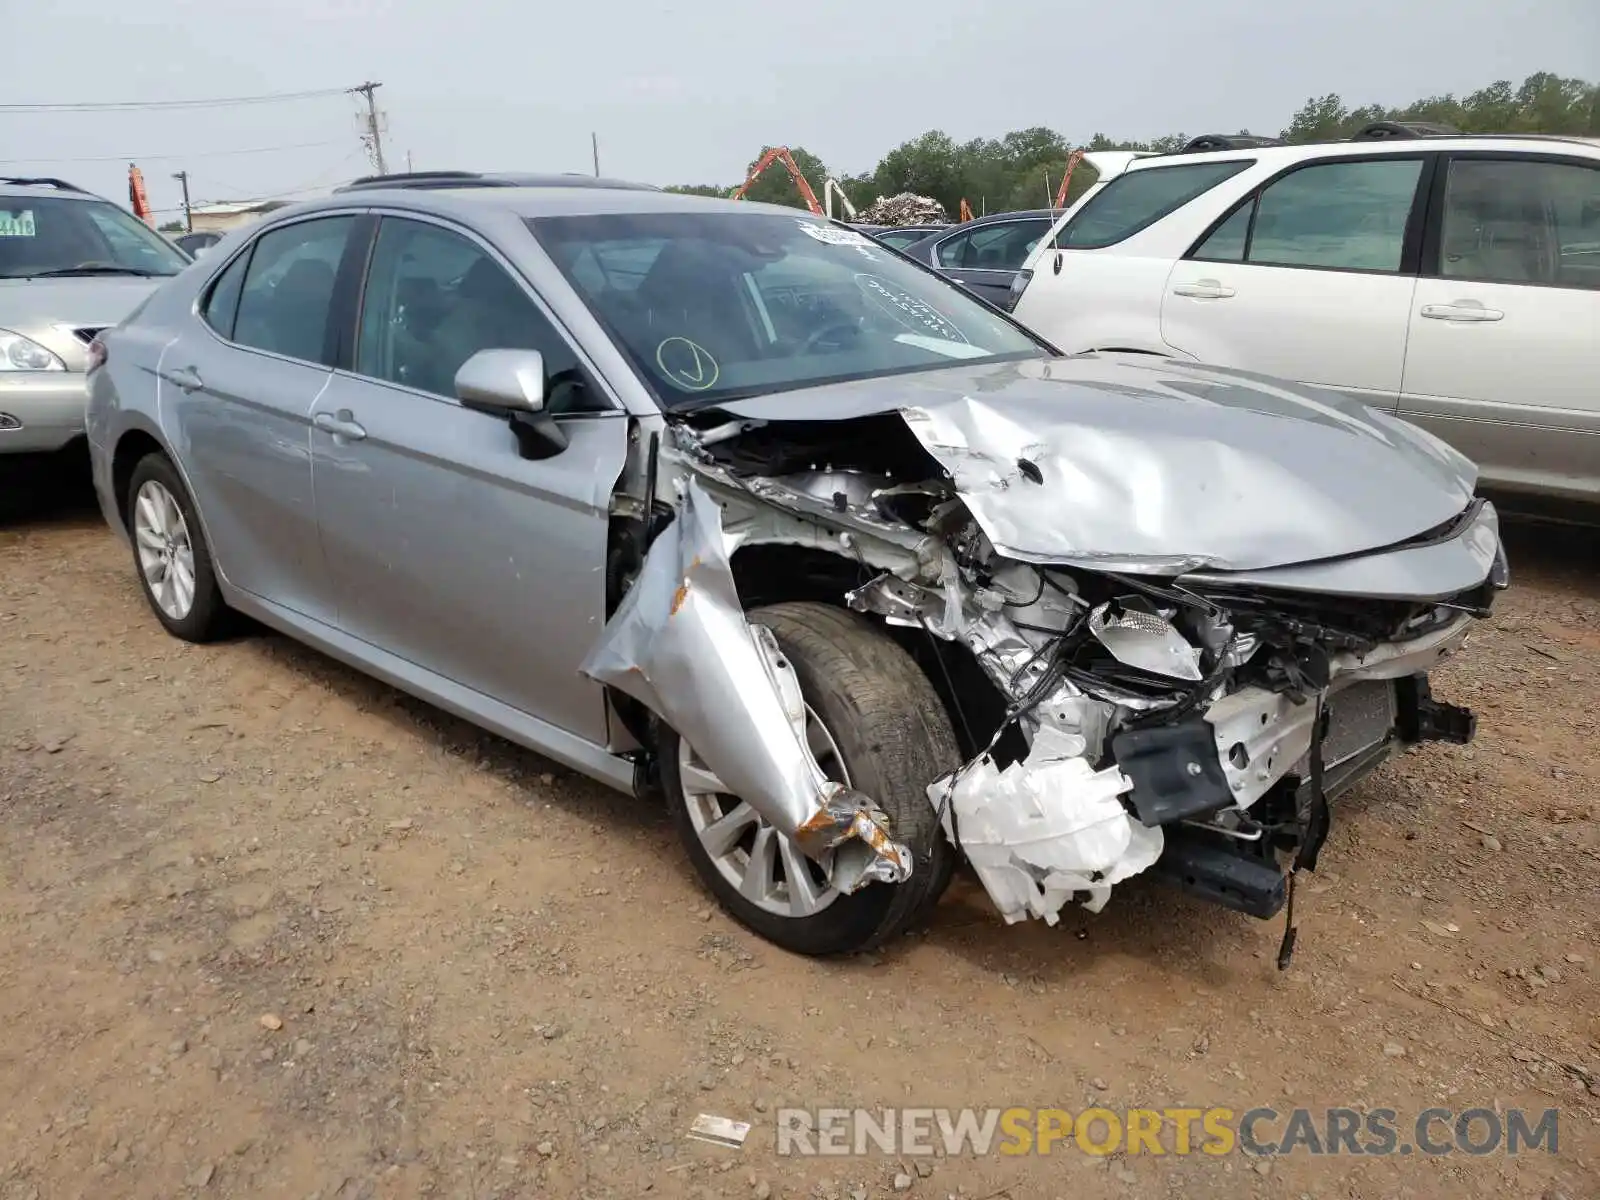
(18, 353)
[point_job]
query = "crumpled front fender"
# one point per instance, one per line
(680, 644)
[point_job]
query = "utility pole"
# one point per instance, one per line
(374, 136)
(594, 144)
(188, 221)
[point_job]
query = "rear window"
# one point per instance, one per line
(1140, 198)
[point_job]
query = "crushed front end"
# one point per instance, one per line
(1192, 728)
(1177, 716)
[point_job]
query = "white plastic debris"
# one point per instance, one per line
(1045, 829)
(720, 1131)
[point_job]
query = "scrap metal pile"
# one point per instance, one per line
(904, 209)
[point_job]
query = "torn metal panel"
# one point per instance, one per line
(1144, 639)
(1045, 830)
(1262, 735)
(679, 643)
(1429, 570)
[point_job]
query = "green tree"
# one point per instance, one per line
(171, 227)
(1023, 168)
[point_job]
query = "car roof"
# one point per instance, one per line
(546, 201)
(1432, 143)
(11, 185)
(1018, 215)
(442, 180)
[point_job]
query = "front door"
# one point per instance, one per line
(1309, 278)
(236, 390)
(985, 260)
(447, 548)
(1504, 353)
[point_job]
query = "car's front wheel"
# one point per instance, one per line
(175, 568)
(874, 722)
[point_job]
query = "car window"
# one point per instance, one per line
(901, 238)
(288, 289)
(222, 303)
(998, 247)
(435, 298)
(1228, 241)
(1343, 215)
(50, 235)
(1137, 199)
(750, 303)
(1521, 221)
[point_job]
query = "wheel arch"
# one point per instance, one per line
(773, 572)
(134, 444)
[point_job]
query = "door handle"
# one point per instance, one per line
(1462, 310)
(1202, 289)
(342, 424)
(185, 379)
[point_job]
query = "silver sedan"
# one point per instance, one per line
(728, 502)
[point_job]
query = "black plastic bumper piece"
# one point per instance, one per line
(1208, 867)
(1175, 771)
(1424, 719)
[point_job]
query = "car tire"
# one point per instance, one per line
(206, 617)
(893, 738)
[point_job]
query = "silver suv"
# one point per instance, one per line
(71, 264)
(728, 500)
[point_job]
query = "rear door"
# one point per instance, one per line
(1101, 286)
(1310, 277)
(1503, 360)
(985, 259)
(447, 548)
(236, 390)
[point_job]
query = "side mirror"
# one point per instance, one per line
(510, 384)
(502, 382)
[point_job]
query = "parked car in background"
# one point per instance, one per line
(195, 244)
(71, 264)
(489, 443)
(986, 253)
(1451, 279)
(899, 236)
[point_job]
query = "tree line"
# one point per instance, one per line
(1024, 168)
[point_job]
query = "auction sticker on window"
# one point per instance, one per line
(916, 315)
(16, 224)
(832, 234)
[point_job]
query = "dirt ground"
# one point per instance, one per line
(268, 928)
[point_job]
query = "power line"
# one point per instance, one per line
(215, 102)
(173, 157)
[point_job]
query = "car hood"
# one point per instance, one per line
(1135, 463)
(80, 301)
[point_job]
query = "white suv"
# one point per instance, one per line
(1452, 279)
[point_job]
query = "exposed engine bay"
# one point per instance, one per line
(1121, 714)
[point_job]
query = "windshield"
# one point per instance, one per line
(714, 306)
(57, 236)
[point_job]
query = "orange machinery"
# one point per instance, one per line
(1073, 160)
(781, 154)
(137, 199)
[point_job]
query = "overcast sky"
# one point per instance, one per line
(688, 92)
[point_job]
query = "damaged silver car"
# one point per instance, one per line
(727, 502)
